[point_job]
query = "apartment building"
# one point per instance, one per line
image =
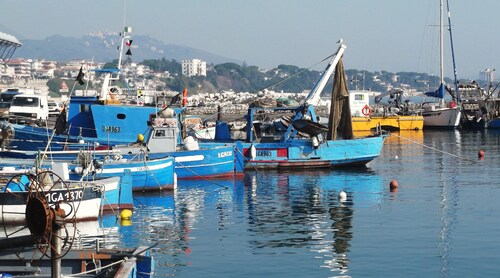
(194, 67)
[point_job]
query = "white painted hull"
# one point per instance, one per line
(442, 118)
(86, 210)
(87, 200)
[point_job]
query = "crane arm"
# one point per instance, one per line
(314, 95)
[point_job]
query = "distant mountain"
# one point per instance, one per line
(102, 47)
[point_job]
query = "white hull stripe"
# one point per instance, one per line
(145, 167)
(202, 165)
(190, 158)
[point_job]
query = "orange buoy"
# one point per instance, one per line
(393, 185)
(184, 97)
(480, 154)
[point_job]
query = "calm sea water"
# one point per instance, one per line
(444, 219)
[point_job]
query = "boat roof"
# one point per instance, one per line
(9, 39)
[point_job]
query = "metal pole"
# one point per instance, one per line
(55, 252)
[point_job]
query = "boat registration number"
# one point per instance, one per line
(54, 197)
(110, 128)
(265, 153)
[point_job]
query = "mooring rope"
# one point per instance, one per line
(150, 171)
(97, 268)
(200, 176)
(247, 160)
(434, 149)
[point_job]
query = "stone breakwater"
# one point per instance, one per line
(234, 112)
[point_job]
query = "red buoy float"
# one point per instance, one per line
(393, 185)
(480, 154)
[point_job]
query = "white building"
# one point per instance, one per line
(194, 67)
(22, 67)
(487, 75)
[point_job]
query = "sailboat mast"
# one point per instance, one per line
(441, 43)
(457, 92)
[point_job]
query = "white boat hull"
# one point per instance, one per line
(86, 210)
(81, 201)
(442, 118)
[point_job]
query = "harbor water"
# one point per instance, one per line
(443, 219)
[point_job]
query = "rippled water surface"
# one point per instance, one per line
(444, 219)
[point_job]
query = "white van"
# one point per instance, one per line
(27, 108)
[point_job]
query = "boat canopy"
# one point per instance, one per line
(439, 93)
(8, 45)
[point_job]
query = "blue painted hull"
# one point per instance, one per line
(150, 175)
(116, 123)
(299, 153)
(215, 162)
(120, 198)
(494, 123)
(30, 138)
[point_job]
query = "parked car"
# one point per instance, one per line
(4, 110)
(27, 108)
(54, 108)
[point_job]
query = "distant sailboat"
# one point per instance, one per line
(441, 115)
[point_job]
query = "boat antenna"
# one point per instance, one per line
(453, 52)
(123, 36)
(124, 11)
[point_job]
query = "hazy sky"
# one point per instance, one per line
(392, 35)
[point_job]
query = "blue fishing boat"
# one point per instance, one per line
(191, 160)
(306, 143)
(146, 174)
(154, 174)
(103, 121)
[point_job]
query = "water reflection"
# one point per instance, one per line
(283, 213)
(302, 210)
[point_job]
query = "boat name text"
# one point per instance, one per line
(224, 154)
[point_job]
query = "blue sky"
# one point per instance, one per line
(392, 35)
